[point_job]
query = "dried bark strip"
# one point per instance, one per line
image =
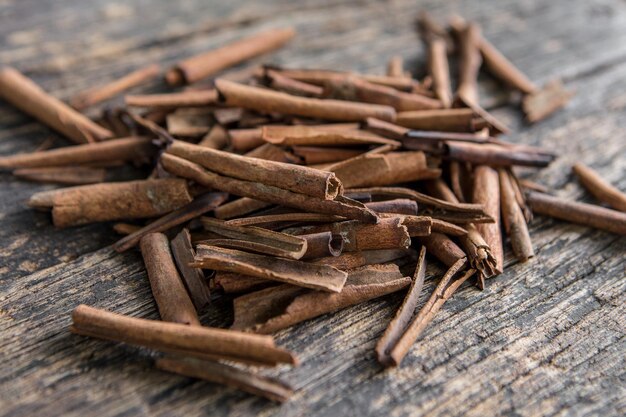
(268, 101)
(112, 201)
(497, 155)
(285, 217)
(27, 96)
(352, 260)
(321, 77)
(232, 283)
(486, 191)
(240, 207)
(599, 188)
(295, 178)
(203, 65)
(75, 175)
(227, 375)
(167, 287)
(385, 129)
(323, 135)
(125, 149)
(217, 138)
(514, 220)
(278, 81)
(470, 62)
(447, 120)
(542, 103)
(443, 248)
(274, 153)
(255, 239)
(322, 245)
(199, 206)
(297, 273)
(340, 206)
(403, 315)
(581, 213)
(397, 206)
(98, 94)
(320, 155)
(276, 308)
(192, 98)
(196, 341)
(193, 278)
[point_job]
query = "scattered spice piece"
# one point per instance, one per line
(193, 278)
(76, 175)
(599, 188)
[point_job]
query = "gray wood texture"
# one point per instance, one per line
(546, 338)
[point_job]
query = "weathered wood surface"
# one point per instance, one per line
(545, 338)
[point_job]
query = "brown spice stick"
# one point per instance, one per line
(191, 98)
(76, 175)
(290, 305)
(351, 260)
(112, 201)
(227, 375)
(403, 316)
(256, 239)
(240, 207)
(542, 103)
(443, 248)
(486, 191)
(599, 188)
(323, 135)
(199, 206)
(197, 341)
(217, 138)
(503, 69)
(268, 101)
(167, 287)
(203, 65)
(470, 62)
(189, 122)
(285, 217)
(243, 140)
(297, 273)
(385, 129)
(439, 71)
(449, 120)
(232, 283)
(513, 219)
(395, 66)
(321, 155)
(446, 287)
(581, 213)
(193, 278)
(340, 206)
(307, 181)
(27, 96)
(497, 155)
(321, 77)
(278, 81)
(130, 148)
(96, 95)
(396, 206)
(322, 245)
(274, 153)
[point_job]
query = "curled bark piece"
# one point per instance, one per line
(486, 191)
(189, 122)
(285, 217)
(192, 277)
(102, 93)
(278, 81)
(201, 66)
(447, 120)
(274, 153)
(340, 206)
(470, 61)
(27, 96)
(255, 239)
(403, 316)
(600, 189)
(196, 341)
(232, 283)
(446, 287)
(268, 101)
(352, 260)
(326, 135)
(385, 129)
(308, 181)
(320, 154)
(76, 175)
(443, 248)
(439, 71)
(125, 149)
(297, 273)
(199, 206)
(585, 214)
(276, 308)
(396, 206)
(322, 244)
(321, 77)
(240, 207)
(112, 201)
(217, 138)
(496, 155)
(192, 98)
(542, 103)
(513, 220)
(167, 287)
(230, 376)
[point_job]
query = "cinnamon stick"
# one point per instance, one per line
(191, 98)
(322, 245)
(243, 140)
(297, 273)
(542, 103)
(513, 220)
(76, 175)
(278, 81)
(167, 287)
(196, 341)
(486, 191)
(321, 77)
(27, 96)
(193, 278)
(351, 260)
(470, 62)
(599, 188)
(396, 206)
(240, 207)
(325, 135)
(203, 65)
(497, 155)
(217, 138)
(98, 94)
(268, 101)
(443, 248)
(112, 201)
(320, 154)
(449, 120)
(285, 217)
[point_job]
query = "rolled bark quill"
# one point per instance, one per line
(309, 181)
(486, 191)
(496, 155)
(197, 341)
(320, 155)
(326, 135)
(297, 273)
(194, 280)
(290, 305)
(580, 213)
(322, 244)
(240, 207)
(351, 260)
(443, 248)
(27, 96)
(437, 59)
(268, 101)
(278, 81)
(173, 100)
(599, 188)
(396, 206)
(542, 103)
(125, 149)
(321, 77)
(395, 66)
(470, 61)
(285, 217)
(167, 286)
(76, 175)
(96, 95)
(340, 206)
(513, 219)
(201, 66)
(227, 375)
(199, 206)
(112, 201)
(358, 90)
(447, 120)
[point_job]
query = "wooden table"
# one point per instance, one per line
(545, 338)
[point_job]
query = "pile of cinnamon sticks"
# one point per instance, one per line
(298, 192)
